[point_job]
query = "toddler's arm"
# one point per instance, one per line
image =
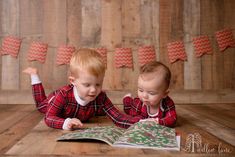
(72, 123)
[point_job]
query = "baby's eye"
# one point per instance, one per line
(97, 85)
(140, 90)
(86, 84)
(152, 93)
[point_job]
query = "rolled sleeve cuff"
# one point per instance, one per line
(65, 125)
(35, 79)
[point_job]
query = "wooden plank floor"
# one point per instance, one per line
(24, 134)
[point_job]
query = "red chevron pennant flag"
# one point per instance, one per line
(123, 57)
(225, 39)
(64, 54)
(202, 45)
(146, 54)
(37, 51)
(11, 46)
(103, 52)
(176, 51)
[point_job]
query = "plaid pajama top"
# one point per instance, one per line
(166, 111)
(61, 104)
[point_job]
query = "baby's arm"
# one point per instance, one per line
(128, 95)
(170, 118)
(170, 114)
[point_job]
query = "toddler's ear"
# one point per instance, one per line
(71, 79)
(166, 93)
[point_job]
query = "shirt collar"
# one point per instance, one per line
(78, 99)
(156, 114)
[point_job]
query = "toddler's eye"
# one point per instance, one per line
(97, 85)
(140, 90)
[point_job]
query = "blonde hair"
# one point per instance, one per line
(86, 59)
(158, 67)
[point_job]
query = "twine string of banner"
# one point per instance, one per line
(123, 55)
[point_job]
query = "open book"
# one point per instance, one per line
(146, 134)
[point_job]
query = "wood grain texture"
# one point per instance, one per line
(95, 23)
(74, 22)
(31, 16)
(111, 37)
(1, 34)
(229, 54)
(213, 66)
(21, 138)
(170, 25)
(206, 27)
(20, 119)
(156, 27)
(54, 33)
(10, 25)
(192, 67)
(130, 18)
(90, 23)
(182, 97)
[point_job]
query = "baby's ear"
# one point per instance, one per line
(71, 79)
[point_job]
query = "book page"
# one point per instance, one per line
(148, 134)
(108, 134)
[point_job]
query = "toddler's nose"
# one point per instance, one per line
(93, 89)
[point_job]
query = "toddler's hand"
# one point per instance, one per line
(74, 123)
(30, 71)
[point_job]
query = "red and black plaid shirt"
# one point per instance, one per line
(61, 104)
(166, 112)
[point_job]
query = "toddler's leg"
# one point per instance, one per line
(40, 98)
(37, 89)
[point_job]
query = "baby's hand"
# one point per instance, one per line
(149, 119)
(128, 95)
(74, 123)
(30, 71)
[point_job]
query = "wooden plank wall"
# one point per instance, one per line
(119, 23)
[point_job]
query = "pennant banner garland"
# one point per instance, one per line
(11, 46)
(37, 51)
(103, 52)
(123, 57)
(225, 39)
(202, 45)
(64, 54)
(176, 51)
(146, 54)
